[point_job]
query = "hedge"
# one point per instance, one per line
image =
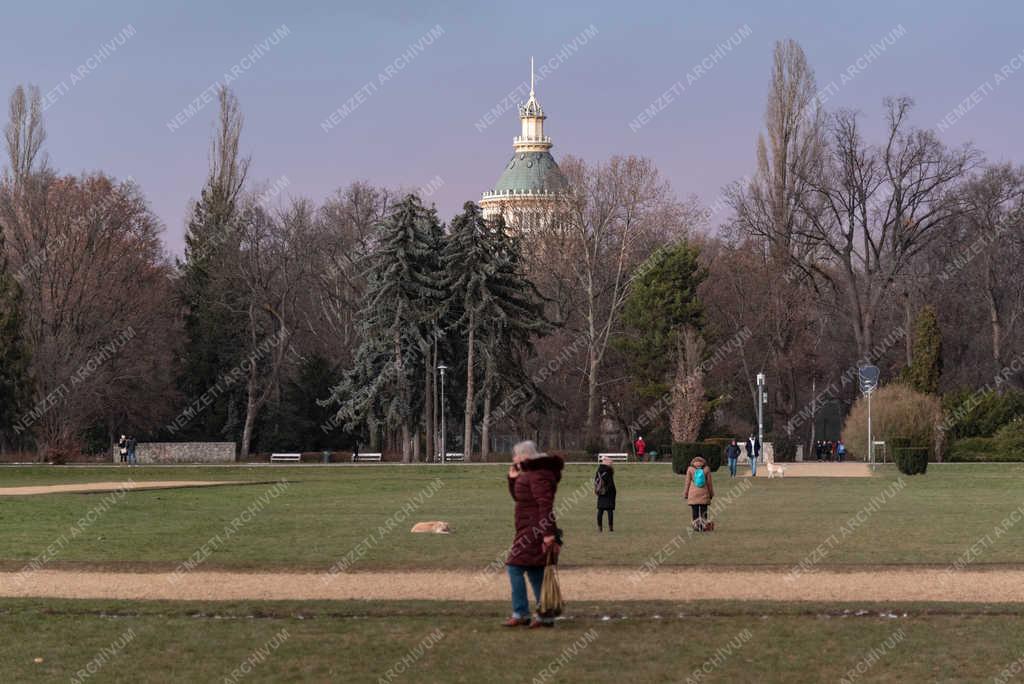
(982, 449)
(911, 460)
(684, 452)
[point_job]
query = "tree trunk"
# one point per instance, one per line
(250, 412)
(405, 444)
(416, 446)
(592, 398)
(428, 411)
(995, 319)
(485, 430)
(467, 438)
(908, 322)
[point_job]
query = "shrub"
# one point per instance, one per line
(972, 415)
(980, 449)
(684, 452)
(912, 460)
(783, 447)
(1009, 439)
(896, 411)
(717, 457)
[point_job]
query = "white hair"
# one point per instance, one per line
(527, 449)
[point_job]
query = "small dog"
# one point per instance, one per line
(774, 470)
(434, 527)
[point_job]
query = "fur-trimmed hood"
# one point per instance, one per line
(553, 463)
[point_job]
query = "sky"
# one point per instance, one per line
(415, 80)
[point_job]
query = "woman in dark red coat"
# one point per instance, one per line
(532, 482)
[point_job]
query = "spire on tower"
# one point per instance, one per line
(532, 108)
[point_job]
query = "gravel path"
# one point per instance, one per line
(130, 486)
(580, 584)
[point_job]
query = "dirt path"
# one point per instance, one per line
(130, 486)
(999, 586)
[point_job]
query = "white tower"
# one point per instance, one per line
(532, 182)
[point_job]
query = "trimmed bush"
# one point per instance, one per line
(896, 411)
(911, 460)
(684, 452)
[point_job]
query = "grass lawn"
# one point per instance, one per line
(326, 512)
(356, 642)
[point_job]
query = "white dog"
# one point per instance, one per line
(774, 470)
(432, 527)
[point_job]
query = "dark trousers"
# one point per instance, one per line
(699, 511)
(611, 518)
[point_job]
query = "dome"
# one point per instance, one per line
(531, 172)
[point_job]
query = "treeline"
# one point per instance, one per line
(290, 324)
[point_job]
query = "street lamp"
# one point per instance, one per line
(761, 398)
(442, 368)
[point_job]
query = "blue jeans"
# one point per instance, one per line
(753, 466)
(732, 467)
(520, 599)
(131, 457)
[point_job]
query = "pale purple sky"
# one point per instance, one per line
(420, 122)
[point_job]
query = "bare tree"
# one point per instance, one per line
(688, 404)
(272, 272)
(25, 132)
(871, 210)
(608, 212)
(767, 216)
(993, 230)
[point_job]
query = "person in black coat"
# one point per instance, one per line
(604, 487)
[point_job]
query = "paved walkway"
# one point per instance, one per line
(580, 584)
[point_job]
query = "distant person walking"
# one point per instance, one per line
(732, 454)
(641, 448)
(532, 481)
(122, 448)
(604, 487)
(131, 451)
(699, 491)
(840, 451)
(753, 453)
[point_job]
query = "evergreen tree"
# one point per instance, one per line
(14, 386)
(214, 324)
(400, 305)
(926, 368)
(661, 307)
(493, 306)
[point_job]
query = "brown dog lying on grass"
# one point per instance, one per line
(434, 526)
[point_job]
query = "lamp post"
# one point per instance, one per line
(760, 410)
(442, 368)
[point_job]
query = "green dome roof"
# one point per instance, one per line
(531, 172)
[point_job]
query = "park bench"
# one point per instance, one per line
(617, 458)
(369, 457)
(295, 458)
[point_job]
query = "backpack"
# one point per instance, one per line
(600, 487)
(698, 478)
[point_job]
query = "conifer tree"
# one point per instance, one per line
(493, 307)
(926, 368)
(214, 326)
(399, 307)
(13, 352)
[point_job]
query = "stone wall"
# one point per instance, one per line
(162, 453)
